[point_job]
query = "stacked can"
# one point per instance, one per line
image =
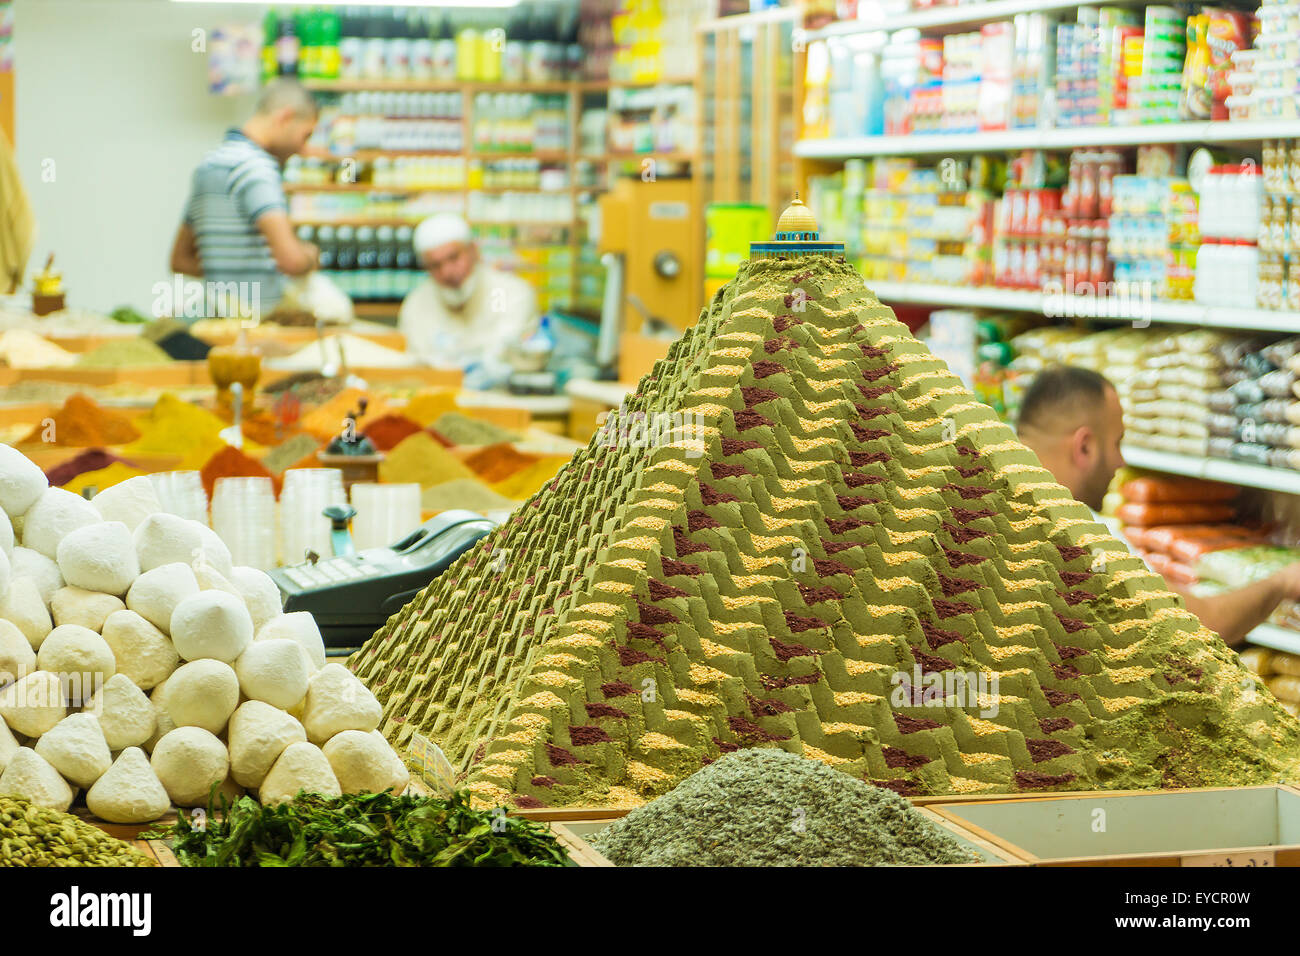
(1164, 49)
(1077, 67)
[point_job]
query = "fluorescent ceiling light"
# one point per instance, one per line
(368, 3)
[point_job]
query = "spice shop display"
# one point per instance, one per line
(838, 552)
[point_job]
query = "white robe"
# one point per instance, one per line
(500, 314)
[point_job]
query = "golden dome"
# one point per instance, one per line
(797, 218)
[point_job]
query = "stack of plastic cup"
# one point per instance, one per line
(305, 494)
(385, 513)
(181, 493)
(243, 515)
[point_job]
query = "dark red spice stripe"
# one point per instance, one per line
(952, 608)
(1070, 624)
(720, 470)
(874, 412)
(543, 781)
(647, 633)
(875, 351)
(864, 434)
(765, 368)
(798, 623)
(1065, 671)
(585, 735)
(777, 683)
(725, 746)
(856, 479)
(750, 730)
(660, 591)
(875, 374)
(1058, 697)
(753, 395)
(910, 725)
(896, 759)
(766, 708)
(673, 568)
(1070, 552)
(904, 788)
(967, 451)
(597, 710)
(783, 322)
(932, 663)
(972, 471)
(812, 595)
(524, 802)
(1077, 597)
(968, 492)
(937, 636)
(559, 757)
(959, 559)
(953, 586)
(1066, 652)
(711, 496)
(1029, 780)
(853, 502)
(860, 459)
(842, 525)
(1071, 578)
(772, 346)
(655, 615)
(748, 418)
(871, 392)
(827, 567)
(967, 515)
(790, 299)
(697, 520)
(784, 652)
(685, 545)
(835, 547)
(1050, 725)
(629, 656)
(734, 446)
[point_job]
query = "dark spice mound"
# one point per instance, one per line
(762, 807)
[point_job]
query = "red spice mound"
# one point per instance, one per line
(498, 462)
(387, 430)
(83, 423)
(230, 462)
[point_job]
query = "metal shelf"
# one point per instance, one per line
(1106, 309)
(964, 14)
(1215, 469)
(920, 144)
(1275, 638)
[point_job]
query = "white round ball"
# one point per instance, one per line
(76, 748)
(202, 693)
(23, 607)
(167, 539)
(26, 563)
(214, 551)
(21, 481)
(297, 626)
(273, 671)
(143, 653)
(260, 594)
(129, 502)
(7, 537)
(56, 514)
(17, 659)
(189, 762)
(211, 624)
(362, 762)
(80, 656)
(156, 593)
(74, 605)
(99, 557)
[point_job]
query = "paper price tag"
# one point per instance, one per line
(1254, 858)
(434, 767)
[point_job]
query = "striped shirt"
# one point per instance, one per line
(237, 183)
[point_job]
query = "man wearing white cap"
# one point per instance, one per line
(466, 315)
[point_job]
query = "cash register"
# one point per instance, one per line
(352, 595)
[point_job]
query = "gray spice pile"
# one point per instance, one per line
(762, 807)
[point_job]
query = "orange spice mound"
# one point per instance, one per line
(498, 462)
(230, 462)
(83, 423)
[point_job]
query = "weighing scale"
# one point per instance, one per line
(352, 595)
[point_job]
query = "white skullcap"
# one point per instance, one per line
(439, 230)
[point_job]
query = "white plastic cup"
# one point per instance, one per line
(243, 515)
(385, 513)
(181, 493)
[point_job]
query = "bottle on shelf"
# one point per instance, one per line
(467, 50)
(352, 44)
(373, 50)
(397, 46)
(444, 54)
(422, 48)
(286, 46)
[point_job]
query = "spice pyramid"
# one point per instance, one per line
(842, 532)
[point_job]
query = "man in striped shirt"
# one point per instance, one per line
(236, 233)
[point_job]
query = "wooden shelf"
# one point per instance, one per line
(403, 190)
(413, 86)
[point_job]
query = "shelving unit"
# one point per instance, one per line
(1115, 309)
(936, 19)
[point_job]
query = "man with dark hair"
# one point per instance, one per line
(1072, 420)
(236, 225)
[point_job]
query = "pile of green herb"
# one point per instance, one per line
(362, 830)
(774, 808)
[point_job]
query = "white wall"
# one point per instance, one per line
(112, 93)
